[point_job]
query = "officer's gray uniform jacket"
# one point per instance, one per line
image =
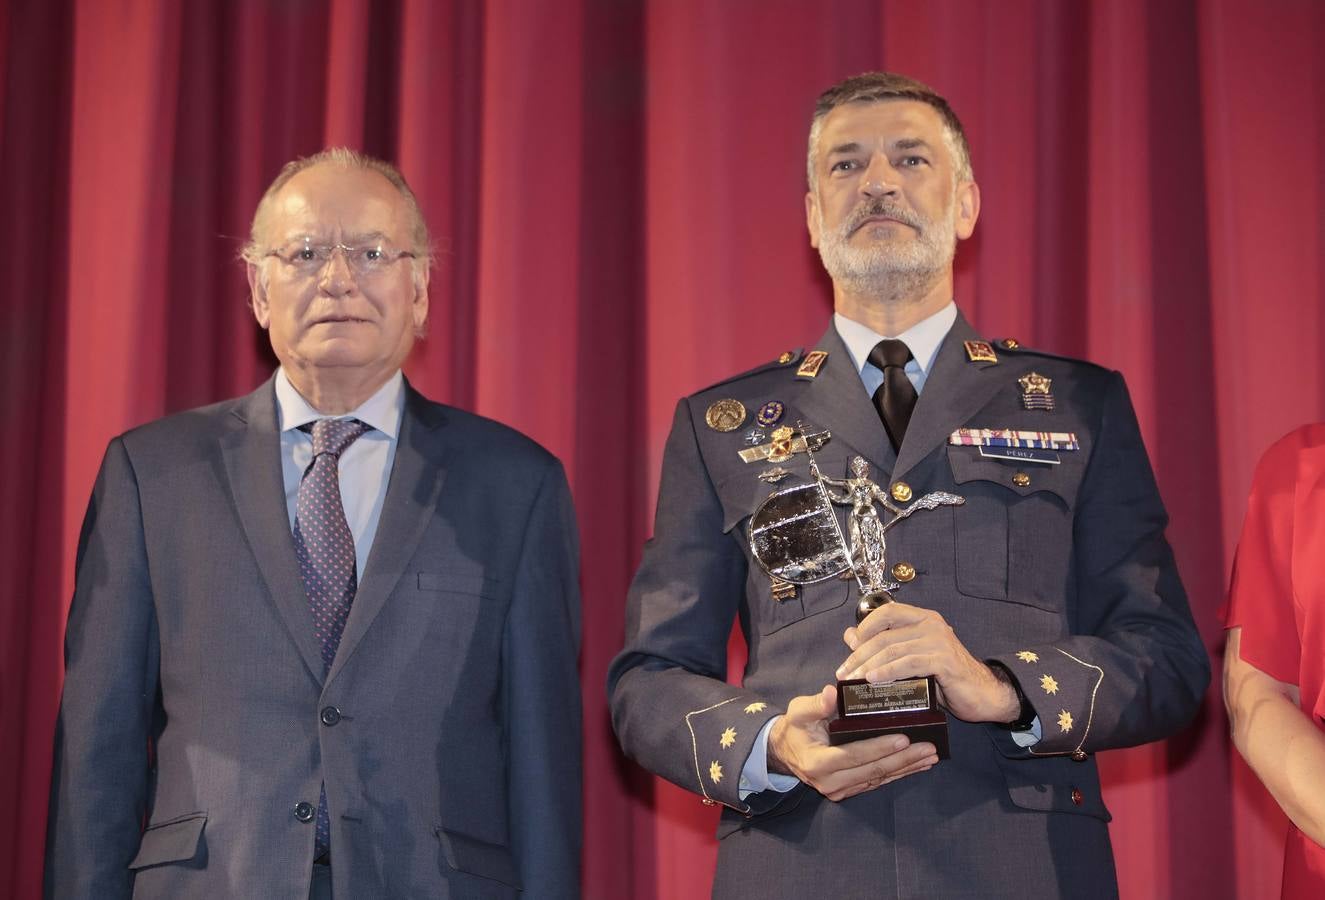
(1060, 572)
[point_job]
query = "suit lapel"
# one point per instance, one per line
(252, 455)
(836, 396)
(955, 390)
(411, 499)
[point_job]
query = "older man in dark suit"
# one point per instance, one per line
(1024, 550)
(325, 633)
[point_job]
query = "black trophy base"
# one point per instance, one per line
(906, 707)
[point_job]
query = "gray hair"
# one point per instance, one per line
(254, 250)
(875, 86)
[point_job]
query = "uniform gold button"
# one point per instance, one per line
(707, 802)
(1021, 479)
(901, 492)
(904, 572)
(1077, 797)
(1079, 755)
(1011, 343)
(785, 358)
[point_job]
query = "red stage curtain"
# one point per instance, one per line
(616, 189)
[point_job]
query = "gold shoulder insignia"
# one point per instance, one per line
(980, 351)
(812, 363)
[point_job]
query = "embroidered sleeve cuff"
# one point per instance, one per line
(1062, 688)
(722, 738)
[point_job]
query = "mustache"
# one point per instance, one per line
(881, 208)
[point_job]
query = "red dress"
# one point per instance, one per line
(1278, 599)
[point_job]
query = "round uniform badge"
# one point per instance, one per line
(725, 415)
(770, 413)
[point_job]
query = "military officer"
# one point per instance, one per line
(1043, 597)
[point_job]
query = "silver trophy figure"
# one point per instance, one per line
(868, 544)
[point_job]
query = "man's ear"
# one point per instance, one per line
(420, 304)
(257, 290)
(968, 208)
(812, 218)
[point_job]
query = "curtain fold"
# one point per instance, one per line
(616, 191)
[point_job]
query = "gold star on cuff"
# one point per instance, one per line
(1064, 720)
(1047, 682)
(728, 738)
(715, 771)
(1028, 656)
(755, 707)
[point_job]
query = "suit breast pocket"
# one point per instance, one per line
(462, 581)
(1013, 534)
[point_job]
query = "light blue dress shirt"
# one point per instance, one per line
(365, 466)
(922, 339)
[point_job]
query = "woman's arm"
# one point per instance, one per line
(1280, 743)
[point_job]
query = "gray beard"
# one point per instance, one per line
(881, 269)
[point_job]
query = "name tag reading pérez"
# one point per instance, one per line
(1021, 454)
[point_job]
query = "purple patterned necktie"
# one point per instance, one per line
(325, 547)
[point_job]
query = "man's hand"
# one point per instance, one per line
(900, 641)
(798, 746)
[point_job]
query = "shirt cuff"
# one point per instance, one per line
(1028, 738)
(755, 776)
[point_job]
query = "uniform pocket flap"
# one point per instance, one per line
(1056, 784)
(1059, 798)
(741, 494)
(1024, 479)
(477, 857)
(172, 841)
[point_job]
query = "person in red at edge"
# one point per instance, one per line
(1274, 661)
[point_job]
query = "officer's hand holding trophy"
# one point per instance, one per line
(883, 719)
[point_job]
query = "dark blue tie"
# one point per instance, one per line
(325, 547)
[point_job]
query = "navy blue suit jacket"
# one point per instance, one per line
(452, 758)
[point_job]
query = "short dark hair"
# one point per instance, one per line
(875, 86)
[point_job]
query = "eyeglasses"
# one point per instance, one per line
(370, 259)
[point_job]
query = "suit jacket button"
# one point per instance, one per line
(904, 572)
(1021, 479)
(901, 491)
(1076, 796)
(304, 811)
(330, 715)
